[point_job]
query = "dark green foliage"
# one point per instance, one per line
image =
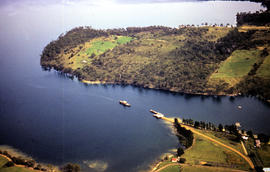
(234, 40)
(250, 133)
(255, 86)
(38, 167)
(233, 130)
(180, 151)
(9, 164)
(185, 136)
(263, 138)
(201, 124)
(30, 163)
(182, 160)
(71, 168)
(258, 18)
(19, 160)
(197, 124)
(220, 127)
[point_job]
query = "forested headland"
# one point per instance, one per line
(209, 60)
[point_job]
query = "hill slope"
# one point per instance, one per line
(197, 60)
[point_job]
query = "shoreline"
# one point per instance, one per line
(97, 82)
(170, 120)
(169, 153)
(16, 153)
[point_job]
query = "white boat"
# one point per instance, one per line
(125, 103)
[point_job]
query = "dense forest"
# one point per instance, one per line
(185, 59)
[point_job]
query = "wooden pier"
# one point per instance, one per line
(157, 114)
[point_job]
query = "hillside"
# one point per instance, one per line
(198, 60)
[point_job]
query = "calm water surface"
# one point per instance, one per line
(57, 120)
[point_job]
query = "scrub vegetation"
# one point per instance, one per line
(198, 60)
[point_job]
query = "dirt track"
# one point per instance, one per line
(215, 141)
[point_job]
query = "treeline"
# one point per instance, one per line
(184, 136)
(258, 18)
(255, 86)
(264, 3)
(230, 129)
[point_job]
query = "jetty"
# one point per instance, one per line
(157, 114)
(125, 103)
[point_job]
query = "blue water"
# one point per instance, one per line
(56, 120)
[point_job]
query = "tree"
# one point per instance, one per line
(220, 127)
(266, 4)
(9, 164)
(197, 124)
(263, 138)
(250, 133)
(182, 160)
(38, 167)
(71, 168)
(180, 151)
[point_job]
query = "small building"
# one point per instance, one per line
(203, 162)
(245, 137)
(175, 159)
(258, 143)
(267, 169)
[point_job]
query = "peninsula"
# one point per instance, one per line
(207, 60)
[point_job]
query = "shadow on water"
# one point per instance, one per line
(217, 99)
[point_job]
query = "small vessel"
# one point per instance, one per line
(125, 103)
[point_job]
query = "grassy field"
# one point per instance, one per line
(234, 68)
(224, 138)
(264, 70)
(173, 168)
(3, 161)
(83, 54)
(100, 46)
(15, 169)
(205, 151)
(204, 169)
(264, 153)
